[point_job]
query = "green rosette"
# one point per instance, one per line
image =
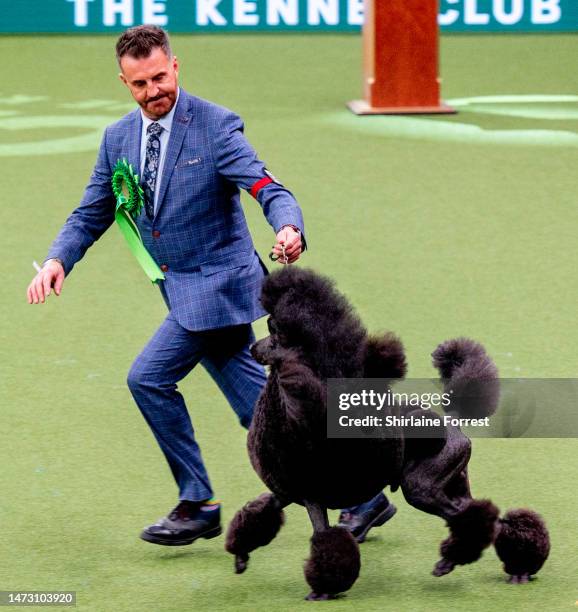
(129, 204)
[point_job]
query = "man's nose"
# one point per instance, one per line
(152, 91)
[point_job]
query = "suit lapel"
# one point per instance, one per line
(134, 134)
(180, 124)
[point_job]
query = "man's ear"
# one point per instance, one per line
(176, 65)
(122, 78)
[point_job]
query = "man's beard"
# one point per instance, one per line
(165, 98)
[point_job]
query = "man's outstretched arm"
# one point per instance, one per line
(85, 225)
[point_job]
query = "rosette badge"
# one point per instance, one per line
(126, 188)
(129, 204)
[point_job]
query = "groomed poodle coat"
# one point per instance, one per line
(316, 335)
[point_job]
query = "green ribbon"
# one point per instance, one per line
(129, 204)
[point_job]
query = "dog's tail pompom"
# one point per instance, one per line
(522, 544)
(254, 525)
(384, 357)
(469, 376)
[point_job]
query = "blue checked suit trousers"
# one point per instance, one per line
(169, 356)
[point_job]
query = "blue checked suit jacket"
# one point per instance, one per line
(199, 232)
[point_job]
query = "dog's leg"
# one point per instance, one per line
(334, 563)
(439, 485)
(471, 531)
(254, 525)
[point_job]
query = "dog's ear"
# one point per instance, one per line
(303, 393)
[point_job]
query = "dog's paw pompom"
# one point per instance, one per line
(334, 563)
(522, 544)
(254, 525)
(471, 531)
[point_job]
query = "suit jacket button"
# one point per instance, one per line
(156, 234)
(164, 267)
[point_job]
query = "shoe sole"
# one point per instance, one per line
(212, 533)
(378, 521)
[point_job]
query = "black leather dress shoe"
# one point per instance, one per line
(188, 522)
(360, 519)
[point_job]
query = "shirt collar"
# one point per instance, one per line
(166, 122)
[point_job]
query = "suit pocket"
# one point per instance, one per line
(223, 264)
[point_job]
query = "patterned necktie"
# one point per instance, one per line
(151, 166)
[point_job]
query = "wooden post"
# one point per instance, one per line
(400, 59)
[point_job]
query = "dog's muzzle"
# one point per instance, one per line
(261, 350)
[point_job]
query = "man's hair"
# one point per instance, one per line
(139, 42)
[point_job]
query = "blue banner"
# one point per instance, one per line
(63, 16)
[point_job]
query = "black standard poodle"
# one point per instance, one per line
(315, 335)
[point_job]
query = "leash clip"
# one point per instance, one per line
(273, 257)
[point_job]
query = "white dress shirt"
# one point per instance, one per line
(167, 123)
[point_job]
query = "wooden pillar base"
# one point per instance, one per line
(400, 59)
(362, 107)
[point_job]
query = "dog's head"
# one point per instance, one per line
(310, 317)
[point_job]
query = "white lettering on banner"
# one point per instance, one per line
(450, 16)
(112, 8)
(207, 13)
(80, 12)
(546, 11)
(287, 10)
(328, 9)
(250, 13)
(508, 18)
(471, 15)
(153, 12)
(355, 12)
(244, 13)
(543, 12)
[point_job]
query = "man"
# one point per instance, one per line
(193, 160)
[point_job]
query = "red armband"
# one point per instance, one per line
(259, 185)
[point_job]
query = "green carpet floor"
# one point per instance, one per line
(434, 227)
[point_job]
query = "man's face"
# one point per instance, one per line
(152, 80)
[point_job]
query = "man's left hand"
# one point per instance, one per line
(289, 237)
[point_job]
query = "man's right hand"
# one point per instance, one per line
(51, 275)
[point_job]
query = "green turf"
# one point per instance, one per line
(428, 237)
